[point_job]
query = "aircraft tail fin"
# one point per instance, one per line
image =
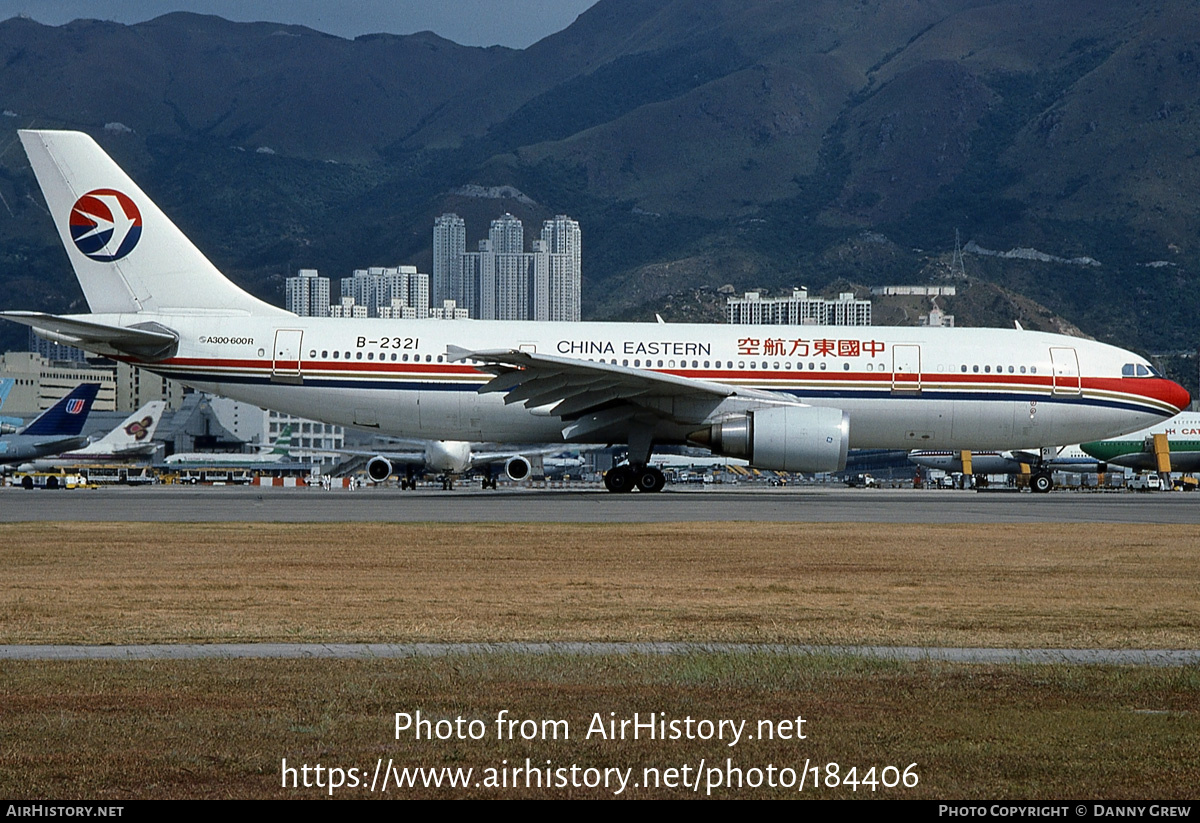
(135, 434)
(128, 255)
(66, 417)
(283, 443)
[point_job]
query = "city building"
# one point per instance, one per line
(449, 311)
(308, 294)
(137, 387)
(57, 352)
(919, 291)
(39, 383)
(799, 309)
(502, 281)
(936, 318)
(449, 246)
(385, 292)
(561, 239)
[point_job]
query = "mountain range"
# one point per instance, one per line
(700, 143)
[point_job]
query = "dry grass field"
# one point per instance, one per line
(221, 728)
(1001, 585)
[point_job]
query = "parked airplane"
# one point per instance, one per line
(133, 437)
(1039, 467)
(54, 430)
(1136, 450)
(450, 459)
(786, 398)
(280, 452)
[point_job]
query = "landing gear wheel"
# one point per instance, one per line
(1041, 483)
(619, 479)
(651, 479)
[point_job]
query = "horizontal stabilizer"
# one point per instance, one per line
(146, 341)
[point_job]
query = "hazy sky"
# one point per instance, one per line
(514, 23)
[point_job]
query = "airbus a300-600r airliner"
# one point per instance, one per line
(791, 398)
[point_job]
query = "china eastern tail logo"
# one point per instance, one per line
(105, 225)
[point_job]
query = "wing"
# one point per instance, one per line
(603, 402)
(401, 458)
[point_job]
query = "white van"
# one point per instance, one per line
(1148, 482)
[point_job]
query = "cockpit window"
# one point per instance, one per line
(1139, 370)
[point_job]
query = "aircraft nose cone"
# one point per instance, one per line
(1176, 395)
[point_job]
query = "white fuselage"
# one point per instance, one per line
(901, 387)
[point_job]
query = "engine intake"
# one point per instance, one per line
(782, 438)
(379, 469)
(517, 468)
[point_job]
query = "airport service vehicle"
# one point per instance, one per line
(784, 398)
(49, 480)
(1145, 482)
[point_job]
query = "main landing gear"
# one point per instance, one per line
(1041, 483)
(626, 478)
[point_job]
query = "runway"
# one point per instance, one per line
(370, 651)
(810, 504)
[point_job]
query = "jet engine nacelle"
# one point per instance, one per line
(379, 469)
(783, 438)
(517, 468)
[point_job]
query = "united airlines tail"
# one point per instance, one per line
(66, 417)
(129, 257)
